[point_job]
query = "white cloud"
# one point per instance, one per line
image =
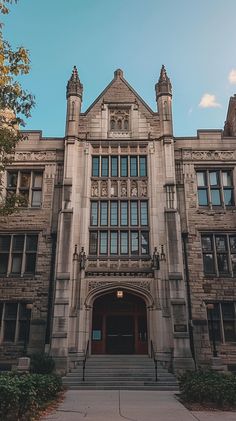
(209, 101)
(232, 77)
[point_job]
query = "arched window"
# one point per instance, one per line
(126, 125)
(119, 124)
(112, 124)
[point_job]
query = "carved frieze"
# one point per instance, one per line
(114, 189)
(35, 156)
(142, 283)
(123, 189)
(134, 189)
(104, 189)
(209, 155)
(143, 188)
(94, 189)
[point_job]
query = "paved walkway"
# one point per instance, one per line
(114, 405)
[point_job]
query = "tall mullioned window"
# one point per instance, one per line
(18, 254)
(119, 166)
(27, 184)
(122, 227)
(215, 188)
(14, 322)
(219, 254)
(222, 318)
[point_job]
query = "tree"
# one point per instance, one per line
(15, 104)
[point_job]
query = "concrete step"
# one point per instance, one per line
(126, 387)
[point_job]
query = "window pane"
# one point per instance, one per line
(103, 242)
(104, 166)
(221, 243)
(124, 213)
(114, 213)
(12, 179)
(103, 213)
(201, 179)
(16, 263)
(25, 195)
(133, 166)
(144, 243)
(38, 180)
(114, 166)
(232, 240)
(134, 242)
(202, 197)
(229, 321)
(206, 243)
(9, 330)
(222, 260)
(4, 263)
(123, 166)
(25, 180)
(10, 310)
(30, 262)
(215, 197)
(142, 166)
(214, 178)
(18, 242)
(228, 197)
(36, 198)
(208, 263)
(227, 178)
(95, 166)
(23, 335)
(94, 213)
(134, 213)
(144, 213)
(124, 242)
(5, 241)
(213, 317)
(31, 242)
(93, 239)
(114, 243)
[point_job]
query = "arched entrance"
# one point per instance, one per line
(119, 324)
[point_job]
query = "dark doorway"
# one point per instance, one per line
(120, 335)
(119, 324)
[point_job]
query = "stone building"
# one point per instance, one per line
(127, 240)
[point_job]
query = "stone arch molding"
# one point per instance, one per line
(97, 289)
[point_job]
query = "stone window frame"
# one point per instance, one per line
(20, 320)
(140, 162)
(221, 321)
(24, 253)
(218, 253)
(220, 187)
(27, 191)
(96, 228)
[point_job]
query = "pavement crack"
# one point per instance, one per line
(120, 412)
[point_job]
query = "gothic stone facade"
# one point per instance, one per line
(127, 238)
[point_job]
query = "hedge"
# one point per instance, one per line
(21, 395)
(208, 387)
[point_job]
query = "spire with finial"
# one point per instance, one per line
(163, 86)
(74, 86)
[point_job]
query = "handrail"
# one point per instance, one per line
(154, 359)
(85, 359)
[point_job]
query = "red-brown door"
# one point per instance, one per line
(119, 325)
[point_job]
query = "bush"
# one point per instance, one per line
(208, 387)
(22, 394)
(41, 363)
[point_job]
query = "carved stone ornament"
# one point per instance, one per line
(99, 284)
(134, 189)
(209, 155)
(123, 189)
(104, 189)
(35, 156)
(143, 189)
(94, 189)
(114, 189)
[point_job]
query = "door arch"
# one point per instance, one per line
(119, 324)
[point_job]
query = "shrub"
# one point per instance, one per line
(41, 363)
(22, 394)
(208, 387)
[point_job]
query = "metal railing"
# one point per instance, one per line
(154, 359)
(85, 359)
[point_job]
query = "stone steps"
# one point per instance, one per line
(124, 372)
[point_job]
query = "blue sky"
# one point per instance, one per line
(195, 39)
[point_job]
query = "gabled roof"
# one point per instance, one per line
(118, 74)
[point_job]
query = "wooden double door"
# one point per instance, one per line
(119, 325)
